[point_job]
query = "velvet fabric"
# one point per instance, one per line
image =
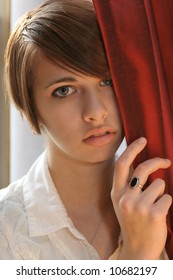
(138, 38)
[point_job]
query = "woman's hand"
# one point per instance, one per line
(141, 214)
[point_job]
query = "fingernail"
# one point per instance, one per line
(142, 140)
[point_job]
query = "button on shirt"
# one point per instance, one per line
(34, 224)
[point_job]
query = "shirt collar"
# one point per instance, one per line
(44, 208)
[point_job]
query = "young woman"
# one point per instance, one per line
(76, 202)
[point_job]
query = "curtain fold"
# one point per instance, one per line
(138, 38)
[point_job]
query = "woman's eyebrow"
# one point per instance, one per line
(61, 80)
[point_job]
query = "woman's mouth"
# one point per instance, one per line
(100, 134)
(100, 137)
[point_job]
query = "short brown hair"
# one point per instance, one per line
(66, 32)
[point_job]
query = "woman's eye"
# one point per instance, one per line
(107, 82)
(63, 92)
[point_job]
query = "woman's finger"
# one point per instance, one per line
(152, 193)
(146, 168)
(124, 163)
(162, 205)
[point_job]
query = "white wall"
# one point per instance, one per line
(24, 146)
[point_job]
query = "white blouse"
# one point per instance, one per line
(34, 224)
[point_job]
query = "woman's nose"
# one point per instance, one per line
(94, 108)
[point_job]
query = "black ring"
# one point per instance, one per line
(134, 182)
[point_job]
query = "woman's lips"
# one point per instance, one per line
(100, 137)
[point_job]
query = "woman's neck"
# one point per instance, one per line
(83, 184)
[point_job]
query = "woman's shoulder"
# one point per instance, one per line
(12, 192)
(11, 200)
(12, 219)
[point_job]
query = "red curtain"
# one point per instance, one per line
(138, 38)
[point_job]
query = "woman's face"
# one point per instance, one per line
(77, 113)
